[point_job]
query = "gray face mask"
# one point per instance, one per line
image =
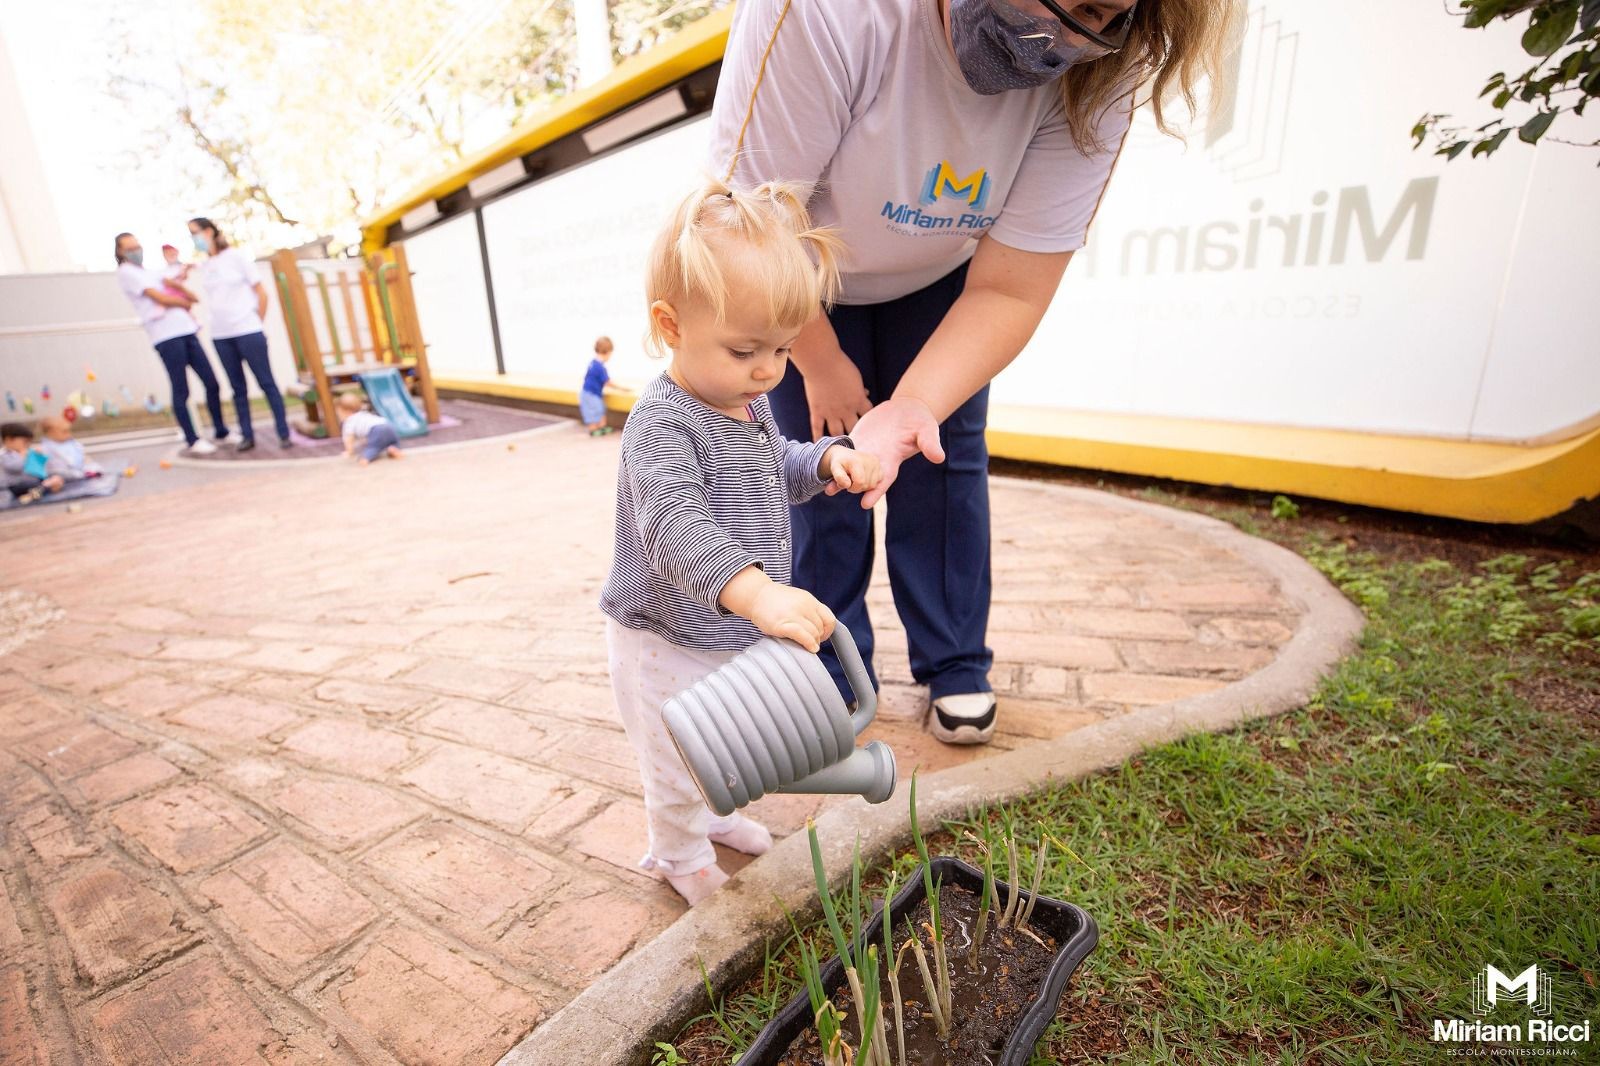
(136, 257)
(1000, 48)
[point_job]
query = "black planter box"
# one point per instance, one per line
(1074, 932)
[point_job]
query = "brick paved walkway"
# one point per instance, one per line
(319, 765)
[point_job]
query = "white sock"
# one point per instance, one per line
(698, 885)
(741, 834)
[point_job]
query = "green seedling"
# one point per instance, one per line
(860, 968)
(1033, 888)
(940, 991)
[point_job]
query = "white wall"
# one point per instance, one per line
(1463, 310)
(452, 301)
(55, 328)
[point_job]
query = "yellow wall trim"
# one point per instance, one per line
(698, 46)
(1481, 482)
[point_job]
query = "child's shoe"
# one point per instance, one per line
(741, 834)
(698, 885)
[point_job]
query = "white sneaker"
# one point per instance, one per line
(201, 447)
(964, 719)
(229, 437)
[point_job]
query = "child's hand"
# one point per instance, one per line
(783, 611)
(850, 471)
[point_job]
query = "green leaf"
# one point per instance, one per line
(840, 944)
(1285, 509)
(1501, 99)
(1534, 128)
(1591, 14)
(1491, 145)
(1453, 150)
(1545, 35)
(1481, 12)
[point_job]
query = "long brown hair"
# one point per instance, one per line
(1172, 46)
(218, 241)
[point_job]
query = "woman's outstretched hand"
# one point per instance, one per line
(894, 431)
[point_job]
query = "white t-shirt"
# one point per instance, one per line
(160, 323)
(230, 281)
(866, 97)
(355, 427)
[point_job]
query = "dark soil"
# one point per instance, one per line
(988, 1002)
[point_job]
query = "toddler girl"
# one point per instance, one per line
(704, 488)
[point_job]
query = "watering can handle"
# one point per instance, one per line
(855, 671)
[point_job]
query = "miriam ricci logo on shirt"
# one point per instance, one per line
(1535, 1033)
(943, 182)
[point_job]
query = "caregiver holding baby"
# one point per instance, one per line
(960, 148)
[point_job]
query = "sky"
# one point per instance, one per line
(60, 49)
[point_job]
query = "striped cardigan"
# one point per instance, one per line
(701, 496)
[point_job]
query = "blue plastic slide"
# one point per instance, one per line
(386, 391)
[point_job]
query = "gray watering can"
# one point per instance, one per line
(772, 720)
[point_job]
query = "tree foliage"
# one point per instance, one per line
(1563, 37)
(289, 120)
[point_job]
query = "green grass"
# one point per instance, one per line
(1319, 887)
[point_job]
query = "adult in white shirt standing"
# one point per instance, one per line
(164, 314)
(960, 148)
(238, 301)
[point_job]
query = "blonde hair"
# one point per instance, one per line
(1172, 46)
(602, 345)
(349, 401)
(793, 268)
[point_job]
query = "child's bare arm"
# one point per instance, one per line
(778, 610)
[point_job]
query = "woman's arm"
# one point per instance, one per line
(1006, 294)
(166, 299)
(835, 393)
(261, 301)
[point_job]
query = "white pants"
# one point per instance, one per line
(646, 671)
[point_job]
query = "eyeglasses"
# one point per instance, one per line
(1110, 37)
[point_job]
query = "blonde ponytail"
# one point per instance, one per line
(758, 242)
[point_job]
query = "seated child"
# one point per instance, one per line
(15, 441)
(596, 383)
(64, 457)
(704, 487)
(366, 430)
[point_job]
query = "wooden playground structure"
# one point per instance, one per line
(361, 318)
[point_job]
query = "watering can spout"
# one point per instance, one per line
(869, 772)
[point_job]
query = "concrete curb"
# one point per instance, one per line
(653, 991)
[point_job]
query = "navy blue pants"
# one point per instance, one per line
(180, 355)
(379, 440)
(937, 534)
(250, 350)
